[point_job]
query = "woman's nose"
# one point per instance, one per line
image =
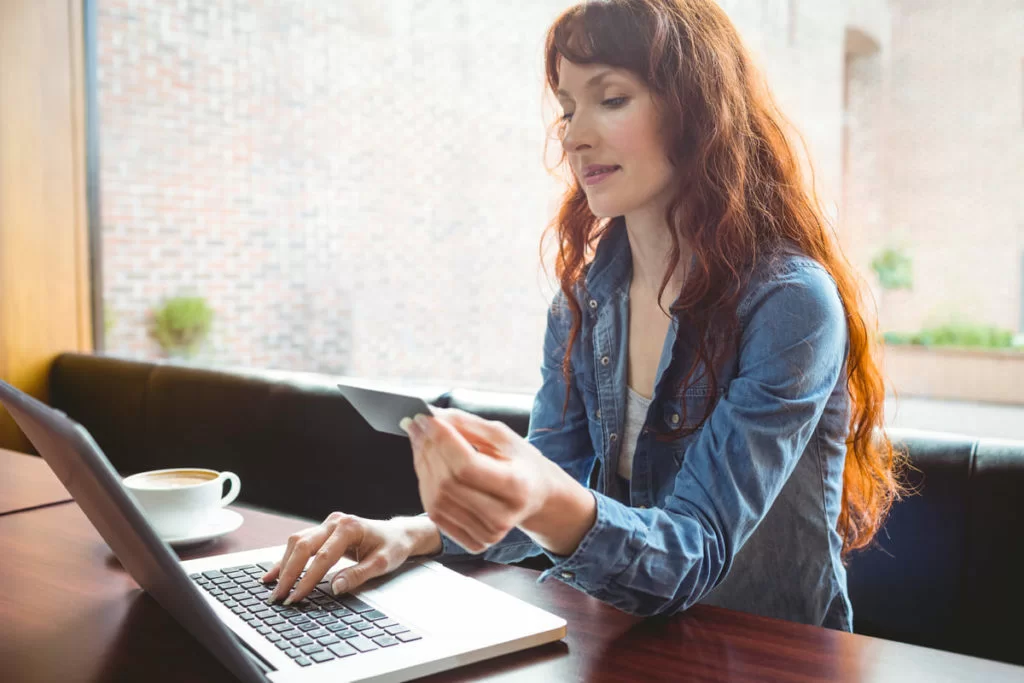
(578, 135)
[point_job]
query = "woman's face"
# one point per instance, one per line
(613, 139)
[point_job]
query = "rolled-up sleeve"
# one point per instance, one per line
(662, 560)
(566, 442)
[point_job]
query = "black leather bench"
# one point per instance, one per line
(946, 570)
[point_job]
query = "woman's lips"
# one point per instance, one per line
(600, 177)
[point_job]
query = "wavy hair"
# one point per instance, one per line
(741, 198)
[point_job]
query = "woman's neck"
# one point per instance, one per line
(651, 247)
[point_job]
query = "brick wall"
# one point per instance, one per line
(954, 158)
(358, 187)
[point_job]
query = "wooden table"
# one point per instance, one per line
(27, 482)
(69, 613)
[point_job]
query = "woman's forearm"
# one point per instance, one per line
(565, 517)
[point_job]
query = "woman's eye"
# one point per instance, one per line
(613, 102)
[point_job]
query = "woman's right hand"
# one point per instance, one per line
(377, 546)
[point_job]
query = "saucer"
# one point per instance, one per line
(222, 521)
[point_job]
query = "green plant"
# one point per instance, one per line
(181, 324)
(956, 333)
(109, 320)
(894, 269)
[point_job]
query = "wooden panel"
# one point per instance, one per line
(44, 278)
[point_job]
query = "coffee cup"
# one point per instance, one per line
(178, 501)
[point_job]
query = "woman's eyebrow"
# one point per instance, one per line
(591, 82)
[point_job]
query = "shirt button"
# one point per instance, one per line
(605, 360)
(675, 418)
(568, 576)
(642, 507)
(598, 414)
(613, 436)
(593, 304)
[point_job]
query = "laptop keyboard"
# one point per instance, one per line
(320, 628)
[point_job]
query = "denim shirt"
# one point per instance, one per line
(742, 513)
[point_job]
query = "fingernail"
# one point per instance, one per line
(422, 421)
(404, 423)
(340, 585)
(288, 601)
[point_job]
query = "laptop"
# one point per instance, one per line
(421, 619)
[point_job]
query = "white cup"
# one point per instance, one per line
(178, 501)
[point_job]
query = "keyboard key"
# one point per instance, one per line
(265, 614)
(361, 644)
(221, 580)
(274, 621)
(283, 644)
(362, 626)
(293, 653)
(232, 570)
(342, 650)
(326, 618)
(281, 628)
(212, 574)
(336, 607)
(386, 623)
(329, 639)
(352, 619)
(250, 602)
(254, 570)
(311, 626)
(294, 634)
(310, 649)
(266, 566)
(386, 641)
(408, 637)
(303, 661)
(322, 656)
(373, 633)
(301, 642)
(299, 619)
(194, 576)
(273, 637)
(238, 609)
(374, 615)
(318, 633)
(396, 629)
(235, 591)
(224, 598)
(334, 628)
(264, 630)
(355, 604)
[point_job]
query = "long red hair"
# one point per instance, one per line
(741, 197)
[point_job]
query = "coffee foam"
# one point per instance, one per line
(174, 479)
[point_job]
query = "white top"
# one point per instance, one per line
(636, 413)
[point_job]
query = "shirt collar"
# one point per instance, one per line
(612, 264)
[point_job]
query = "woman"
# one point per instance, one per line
(710, 355)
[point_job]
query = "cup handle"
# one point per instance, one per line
(233, 490)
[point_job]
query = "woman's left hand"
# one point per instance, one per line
(478, 479)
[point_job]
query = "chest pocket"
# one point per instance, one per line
(695, 401)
